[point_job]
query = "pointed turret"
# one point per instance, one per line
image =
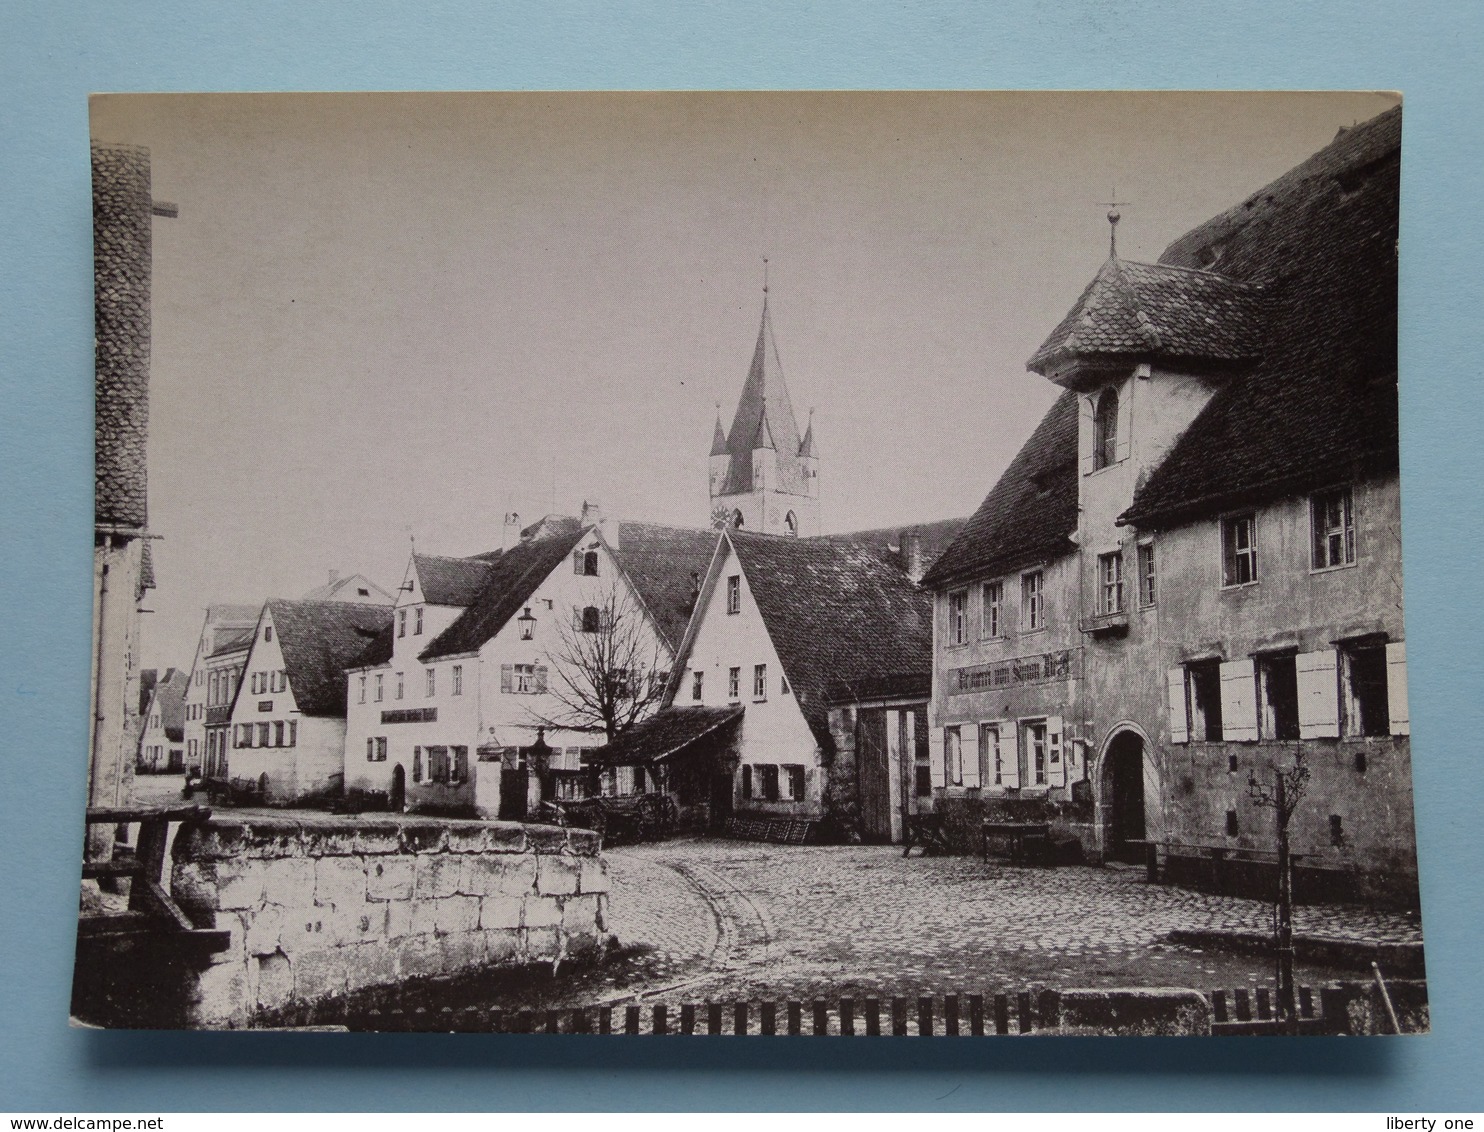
(762, 474)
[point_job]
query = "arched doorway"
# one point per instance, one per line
(397, 802)
(1125, 829)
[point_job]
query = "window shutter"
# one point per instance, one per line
(1056, 770)
(461, 764)
(1239, 701)
(1396, 688)
(541, 679)
(1318, 694)
(370, 750)
(507, 677)
(577, 561)
(1125, 420)
(968, 752)
(577, 618)
(417, 764)
(746, 781)
(936, 771)
(1179, 711)
(1010, 754)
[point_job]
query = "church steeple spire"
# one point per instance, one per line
(760, 465)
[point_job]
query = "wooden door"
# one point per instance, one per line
(873, 775)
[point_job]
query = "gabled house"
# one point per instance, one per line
(785, 629)
(161, 738)
(210, 686)
(1190, 576)
(287, 719)
(492, 681)
(355, 587)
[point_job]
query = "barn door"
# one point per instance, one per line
(873, 775)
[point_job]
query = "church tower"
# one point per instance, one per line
(763, 477)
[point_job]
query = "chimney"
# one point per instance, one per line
(592, 515)
(911, 541)
(510, 532)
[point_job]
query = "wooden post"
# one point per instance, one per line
(1218, 1005)
(847, 1017)
(873, 1017)
(631, 1020)
(924, 1017)
(950, 1015)
(821, 1018)
(688, 1018)
(1001, 1013)
(795, 1018)
(768, 1018)
(1023, 1008)
(713, 1018)
(899, 1017)
(976, 1015)
(739, 1019)
(661, 1024)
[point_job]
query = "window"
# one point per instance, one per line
(734, 683)
(293, 732)
(417, 764)
(697, 683)
(432, 688)
(1146, 573)
(783, 688)
(401, 685)
(1239, 550)
(1035, 738)
(401, 622)
(953, 757)
(1231, 823)
(958, 617)
(278, 734)
(380, 687)
(1110, 582)
(362, 591)
(766, 775)
(991, 759)
(794, 783)
(458, 679)
(417, 621)
(1364, 702)
(1205, 700)
(525, 678)
(590, 564)
(376, 750)
(1278, 677)
(747, 784)
(737, 518)
(458, 765)
(1032, 602)
(361, 687)
(592, 620)
(262, 736)
(734, 594)
(1105, 430)
(760, 681)
(267, 632)
(791, 525)
(1336, 830)
(994, 609)
(1333, 518)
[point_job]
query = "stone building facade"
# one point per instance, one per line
(1190, 576)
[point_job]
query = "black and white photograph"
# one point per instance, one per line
(770, 563)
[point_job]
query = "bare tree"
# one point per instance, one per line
(608, 667)
(1282, 795)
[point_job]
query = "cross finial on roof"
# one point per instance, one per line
(1114, 216)
(765, 278)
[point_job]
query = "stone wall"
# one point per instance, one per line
(322, 907)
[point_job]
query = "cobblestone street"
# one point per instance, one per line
(729, 918)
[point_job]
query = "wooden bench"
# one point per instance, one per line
(927, 832)
(1028, 840)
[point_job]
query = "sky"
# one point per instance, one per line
(386, 318)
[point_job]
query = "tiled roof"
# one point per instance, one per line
(1322, 404)
(1157, 311)
(661, 562)
(513, 577)
(664, 734)
(666, 565)
(837, 613)
(765, 417)
(122, 206)
(336, 591)
(170, 699)
(936, 537)
(233, 640)
(1030, 514)
(320, 640)
(451, 581)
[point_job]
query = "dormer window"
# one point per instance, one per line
(1105, 430)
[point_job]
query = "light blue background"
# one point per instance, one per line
(52, 55)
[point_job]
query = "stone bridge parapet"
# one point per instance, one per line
(320, 907)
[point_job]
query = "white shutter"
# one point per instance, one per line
(1179, 713)
(1396, 688)
(1318, 694)
(1010, 753)
(1125, 423)
(936, 744)
(968, 751)
(1239, 701)
(1056, 769)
